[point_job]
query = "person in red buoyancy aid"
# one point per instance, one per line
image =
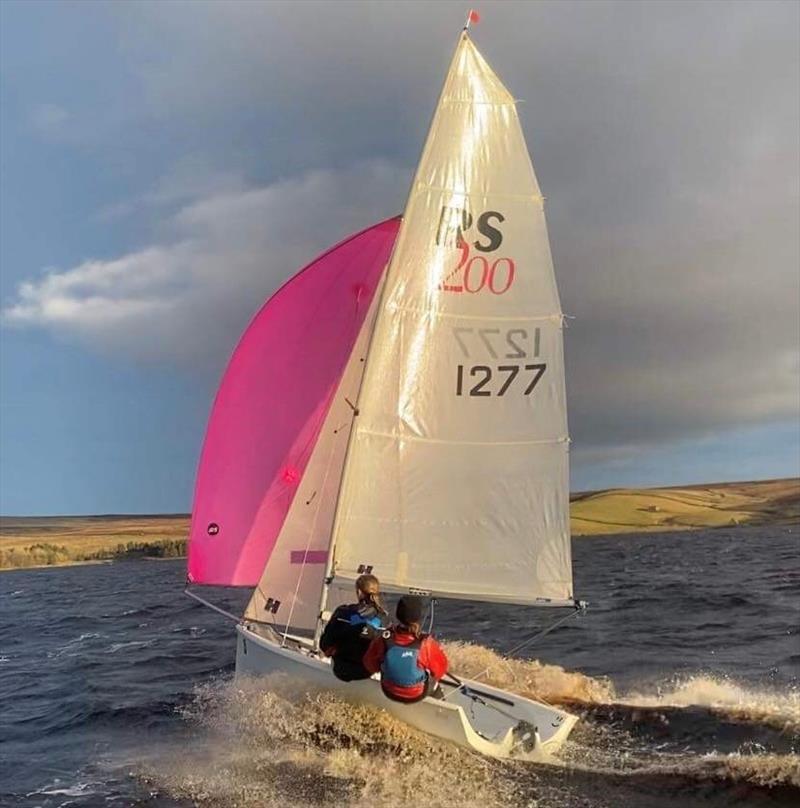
(411, 663)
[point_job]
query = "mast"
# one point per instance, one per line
(361, 352)
(287, 592)
(328, 580)
(456, 477)
(292, 580)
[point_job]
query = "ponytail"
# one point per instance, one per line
(375, 599)
(368, 588)
(414, 628)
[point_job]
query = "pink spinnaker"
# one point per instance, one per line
(271, 404)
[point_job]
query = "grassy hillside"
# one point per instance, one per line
(699, 506)
(44, 541)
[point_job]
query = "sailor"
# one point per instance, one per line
(411, 663)
(351, 628)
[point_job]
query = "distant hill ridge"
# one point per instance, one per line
(574, 497)
(626, 510)
(28, 541)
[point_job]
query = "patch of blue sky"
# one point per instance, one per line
(765, 451)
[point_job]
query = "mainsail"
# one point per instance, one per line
(418, 433)
(271, 404)
(456, 479)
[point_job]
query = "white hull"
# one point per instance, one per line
(483, 724)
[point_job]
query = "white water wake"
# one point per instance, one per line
(269, 743)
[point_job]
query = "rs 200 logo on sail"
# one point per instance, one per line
(475, 271)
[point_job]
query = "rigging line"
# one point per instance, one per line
(376, 302)
(325, 478)
(580, 607)
(430, 614)
(379, 301)
(308, 447)
(229, 615)
(311, 441)
(308, 546)
(311, 532)
(476, 698)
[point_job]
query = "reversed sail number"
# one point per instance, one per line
(511, 343)
(480, 381)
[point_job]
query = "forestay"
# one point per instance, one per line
(288, 594)
(456, 481)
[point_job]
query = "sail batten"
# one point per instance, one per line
(420, 438)
(456, 481)
(345, 579)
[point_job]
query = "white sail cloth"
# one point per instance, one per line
(288, 594)
(456, 480)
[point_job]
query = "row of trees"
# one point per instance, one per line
(168, 548)
(44, 554)
(35, 555)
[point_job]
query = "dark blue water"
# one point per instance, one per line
(696, 633)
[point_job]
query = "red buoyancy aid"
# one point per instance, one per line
(402, 677)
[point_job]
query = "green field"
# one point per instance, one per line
(698, 506)
(47, 541)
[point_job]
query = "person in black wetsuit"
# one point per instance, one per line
(352, 628)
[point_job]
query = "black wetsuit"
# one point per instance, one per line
(347, 636)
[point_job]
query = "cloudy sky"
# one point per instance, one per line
(166, 165)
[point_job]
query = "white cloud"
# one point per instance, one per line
(186, 300)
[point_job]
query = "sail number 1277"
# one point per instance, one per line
(484, 380)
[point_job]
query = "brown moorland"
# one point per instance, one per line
(52, 540)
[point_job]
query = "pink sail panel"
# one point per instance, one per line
(271, 404)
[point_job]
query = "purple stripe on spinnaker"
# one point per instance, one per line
(308, 556)
(271, 404)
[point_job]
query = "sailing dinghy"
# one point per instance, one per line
(398, 407)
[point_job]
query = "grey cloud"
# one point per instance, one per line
(665, 136)
(186, 300)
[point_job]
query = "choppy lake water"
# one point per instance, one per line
(117, 690)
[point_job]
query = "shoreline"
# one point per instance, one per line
(59, 541)
(585, 536)
(95, 562)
